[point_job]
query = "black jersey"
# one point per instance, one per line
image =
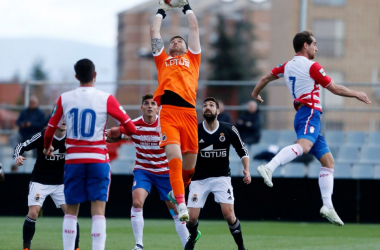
(47, 170)
(214, 150)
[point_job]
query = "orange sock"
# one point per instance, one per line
(175, 175)
(187, 175)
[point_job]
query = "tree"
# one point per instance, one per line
(37, 72)
(234, 59)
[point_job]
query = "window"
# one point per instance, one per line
(329, 34)
(330, 2)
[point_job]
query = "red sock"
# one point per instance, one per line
(175, 175)
(187, 175)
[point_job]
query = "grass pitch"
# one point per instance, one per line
(161, 235)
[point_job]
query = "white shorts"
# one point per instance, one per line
(220, 186)
(38, 193)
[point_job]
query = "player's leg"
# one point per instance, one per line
(75, 193)
(307, 127)
(326, 180)
(140, 190)
(36, 197)
(162, 183)
(180, 226)
(233, 224)
(29, 227)
(76, 246)
(97, 187)
(198, 193)
(188, 167)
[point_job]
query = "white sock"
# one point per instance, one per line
(285, 155)
(69, 231)
(137, 221)
(326, 185)
(181, 230)
(98, 232)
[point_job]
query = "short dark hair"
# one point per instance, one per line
(84, 69)
(213, 100)
(146, 96)
(174, 37)
(301, 38)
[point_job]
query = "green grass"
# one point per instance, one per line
(161, 235)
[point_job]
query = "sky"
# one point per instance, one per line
(88, 21)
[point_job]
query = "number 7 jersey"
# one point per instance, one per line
(303, 78)
(86, 111)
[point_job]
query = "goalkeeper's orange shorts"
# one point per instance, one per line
(179, 125)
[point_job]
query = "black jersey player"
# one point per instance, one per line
(212, 171)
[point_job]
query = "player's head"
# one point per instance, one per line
(305, 42)
(210, 110)
(85, 71)
(148, 106)
(177, 45)
(62, 125)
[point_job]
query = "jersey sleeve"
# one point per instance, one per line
(27, 145)
(159, 59)
(195, 56)
(55, 118)
(238, 144)
(319, 76)
(278, 71)
(115, 110)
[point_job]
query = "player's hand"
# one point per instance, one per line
(247, 177)
(361, 96)
(20, 160)
(258, 98)
(49, 151)
(113, 132)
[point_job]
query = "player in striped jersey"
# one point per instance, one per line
(87, 169)
(151, 168)
(47, 179)
(303, 78)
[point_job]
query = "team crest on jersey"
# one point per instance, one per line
(322, 71)
(222, 138)
(26, 143)
(37, 198)
(163, 137)
(312, 129)
(194, 198)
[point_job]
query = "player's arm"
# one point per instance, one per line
(346, 92)
(261, 85)
(115, 110)
(194, 42)
(29, 144)
(55, 118)
(2, 177)
(242, 151)
(155, 36)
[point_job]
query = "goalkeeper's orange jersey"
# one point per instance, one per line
(178, 74)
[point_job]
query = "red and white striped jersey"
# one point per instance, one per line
(149, 155)
(86, 111)
(303, 78)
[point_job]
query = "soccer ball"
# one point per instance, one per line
(176, 3)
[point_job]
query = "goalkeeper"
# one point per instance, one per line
(178, 73)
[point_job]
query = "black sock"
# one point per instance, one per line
(77, 238)
(28, 231)
(193, 230)
(235, 230)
